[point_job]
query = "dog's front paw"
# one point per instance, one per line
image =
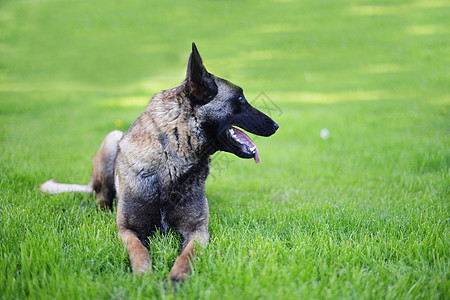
(172, 282)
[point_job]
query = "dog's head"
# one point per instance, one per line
(221, 106)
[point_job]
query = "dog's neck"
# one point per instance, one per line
(175, 114)
(179, 132)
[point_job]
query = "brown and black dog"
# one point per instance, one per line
(158, 168)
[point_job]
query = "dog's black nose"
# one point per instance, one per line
(275, 126)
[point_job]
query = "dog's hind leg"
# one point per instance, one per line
(102, 178)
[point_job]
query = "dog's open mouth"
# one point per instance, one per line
(247, 146)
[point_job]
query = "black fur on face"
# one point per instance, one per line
(221, 106)
(228, 110)
(246, 117)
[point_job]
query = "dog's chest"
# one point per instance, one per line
(164, 225)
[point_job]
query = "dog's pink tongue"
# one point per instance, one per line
(245, 139)
(257, 160)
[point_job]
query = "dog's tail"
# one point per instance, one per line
(53, 187)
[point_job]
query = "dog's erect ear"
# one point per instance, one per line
(196, 70)
(200, 84)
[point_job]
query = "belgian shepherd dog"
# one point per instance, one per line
(158, 168)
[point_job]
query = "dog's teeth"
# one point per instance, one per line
(231, 130)
(253, 149)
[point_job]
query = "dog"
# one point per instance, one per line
(158, 168)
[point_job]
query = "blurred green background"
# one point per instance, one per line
(313, 51)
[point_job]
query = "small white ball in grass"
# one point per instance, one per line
(325, 134)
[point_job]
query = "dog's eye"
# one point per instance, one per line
(242, 99)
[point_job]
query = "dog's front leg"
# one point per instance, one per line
(182, 265)
(139, 256)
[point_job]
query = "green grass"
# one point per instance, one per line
(363, 215)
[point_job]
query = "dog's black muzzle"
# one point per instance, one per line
(233, 140)
(254, 121)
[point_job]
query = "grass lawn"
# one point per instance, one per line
(361, 215)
